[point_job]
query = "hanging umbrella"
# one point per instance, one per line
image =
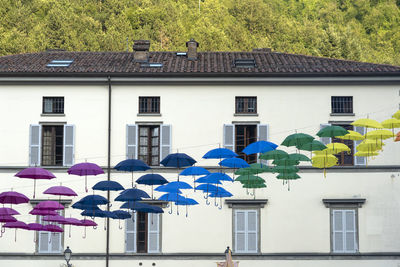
(288, 176)
(324, 161)
(152, 179)
(207, 188)
(221, 195)
(259, 147)
(234, 163)
(286, 162)
(94, 213)
(249, 179)
(220, 176)
(370, 145)
(396, 115)
(131, 194)
(314, 145)
(379, 135)
(108, 186)
(60, 191)
(195, 171)
(366, 153)
(178, 160)
(53, 228)
(163, 188)
(132, 165)
(367, 123)
(297, 139)
(274, 154)
(121, 215)
(42, 212)
(8, 211)
(16, 225)
(285, 169)
(86, 223)
(35, 227)
(85, 169)
(332, 131)
(352, 135)
(94, 200)
(220, 153)
(49, 205)
(70, 222)
(173, 186)
(35, 173)
(186, 202)
(11, 197)
(7, 218)
(55, 218)
(255, 168)
(208, 180)
(335, 148)
(299, 157)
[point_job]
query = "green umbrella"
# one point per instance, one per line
(297, 139)
(255, 168)
(288, 176)
(249, 179)
(332, 131)
(312, 146)
(255, 185)
(286, 162)
(299, 157)
(285, 169)
(274, 154)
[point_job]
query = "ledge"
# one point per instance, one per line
(52, 115)
(245, 114)
(246, 202)
(342, 114)
(148, 114)
(155, 202)
(351, 202)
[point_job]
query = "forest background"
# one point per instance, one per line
(361, 30)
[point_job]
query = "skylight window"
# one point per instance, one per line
(60, 63)
(181, 53)
(151, 65)
(244, 63)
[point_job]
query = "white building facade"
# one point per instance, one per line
(106, 107)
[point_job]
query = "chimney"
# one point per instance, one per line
(141, 48)
(192, 49)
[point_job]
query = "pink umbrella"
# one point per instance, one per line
(49, 205)
(86, 223)
(35, 173)
(11, 197)
(35, 227)
(8, 211)
(16, 225)
(53, 228)
(85, 169)
(71, 221)
(43, 212)
(5, 219)
(54, 218)
(60, 191)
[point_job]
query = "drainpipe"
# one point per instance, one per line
(108, 170)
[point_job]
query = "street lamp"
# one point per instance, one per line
(67, 256)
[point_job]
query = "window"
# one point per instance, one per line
(53, 105)
(149, 144)
(245, 135)
(246, 233)
(49, 242)
(51, 145)
(345, 158)
(149, 104)
(143, 233)
(342, 104)
(246, 104)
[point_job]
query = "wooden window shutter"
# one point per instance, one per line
(165, 148)
(229, 136)
(69, 141)
(131, 141)
(35, 134)
(130, 234)
(324, 140)
(153, 233)
(360, 161)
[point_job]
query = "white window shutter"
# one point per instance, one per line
(324, 140)
(69, 142)
(360, 161)
(165, 134)
(55, 242)
(229, 136)
(35, 134)
(153, 233)
(43, 246)
(240, 231)
(350, 231)
(131, 141)
(252, 231)
(130, 234)
(262, 135)
(337, 231)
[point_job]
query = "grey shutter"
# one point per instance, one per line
(240, 231)
(324, 140)
(350, 231)
(55, 242)
(165, 149)
(252, 231)
(34, 144)
(229, 136)
(43, 242)
(360, 161)
(337, 231)
(153, 233)
(263, 134)
(131, 141)
(130, 234)
(69, 141)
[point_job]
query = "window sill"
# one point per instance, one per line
(245, 114)
(342, 114)
(149, 114)
(52, 115)
(246, 202)
(350, 202)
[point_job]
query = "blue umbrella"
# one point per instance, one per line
(187, 202)
(208, 180)
(132, 165)
(207, 188)
(121, 215)
(220, 194)
(94, 200)
(220, 153)
(178, 160)
(173, 187)
(171, 197)
(95, 213)
(259, 147)
(81, 206)
(132, 194)
(163, 188)
(234, 163)
(143, 207)
(193, 171)
(152, 179)
(108, 186)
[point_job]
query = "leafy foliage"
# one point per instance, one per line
(361, 30)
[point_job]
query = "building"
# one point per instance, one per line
(60, 108)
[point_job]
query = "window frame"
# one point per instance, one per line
(54, 145)
(150, 143)
(53, 100)
(149, 103)
(345, 110)
(248, 158)
(246, 101)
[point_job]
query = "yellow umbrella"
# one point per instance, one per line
(396, 115)
(336, 148)
(391, 123)
(370, 145)
(368, 123)
(324, 161)
(366, 153)
(352, 135)
(379, 134)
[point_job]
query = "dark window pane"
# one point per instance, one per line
(53, 105)
(52, 145)
(149, 104)
(245, 135)
(246, 104)
(342, 104)
(149, 144)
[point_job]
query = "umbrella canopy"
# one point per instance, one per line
(220, 176)
(259, 147)
(86, 222)
(299, 157)
(174, 186)
(60, 191)
(193, 171)
(274, 154)
(171, 197)
(94, 199)
(286, 162)
(396, 115)
(43, 212)
(152, 179)
(208, 188)
(35, 173)
(220, 153)
(368, 123)
(352, 135)
(254, 185)
(285, 169)
(11, 197)
(55, 218)
(220, 194)
(132, 194)
(94, 213)
(49, 205)
(178, 160)
(312, 146)
(288, 176)
(53, 228)
(163, 188)
(335, 148)
(186, 201)
(391, 123)
(8, 211)
(370, 145)
(208, 180)
(324, 161)
(85, 169)
(379, 134)
(7, 218)
(234, 163)
(249, 179)
(132, 165)
(366, 153)
(121, 214)
(255, 168)
(35, 227)
(332, 131)
(71, 221)
(84, 206)
(143, 207)
(297, 139)
(108, 186)
(17, 224)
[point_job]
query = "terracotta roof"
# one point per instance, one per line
(208, 63)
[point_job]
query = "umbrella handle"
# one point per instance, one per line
(86, 189)
(177, 210)
(205, 196)
(69, 234)
(119, 225)
(15, 236)
(215, 203)
(34, 237)
(167, 206)
(110, 205)
(207, 202)
(3, 230)
(170, 212)
(95, 227)
(187, 211)
(105, 225)
(84, 233)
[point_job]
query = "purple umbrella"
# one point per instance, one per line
(43, 212)
(54, 218)
(35, 173)
(86, 223)
(7, 218)
(8, 211)
(85, 169)
(11, 197)
(35, 227)
(71, 221)
(53, 228)
(16, 225)
(49, 205)
(60, 191)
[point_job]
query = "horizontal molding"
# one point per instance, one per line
(351, 202)
(246, 202)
